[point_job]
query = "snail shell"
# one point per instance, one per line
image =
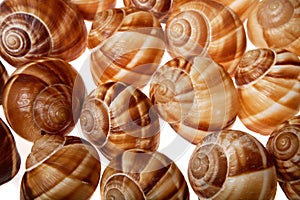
(9, 158)
(232, 165)
(88, 8)
(143, 175)
(284, 146)
(274, 24)
(127, 46)
(43, 96)
(195, 97)
(116, 117)
(61, 168)
(160, 8)
(241, 7)
(3, 79)
(33, 29)
(206, 28)
(268, 85)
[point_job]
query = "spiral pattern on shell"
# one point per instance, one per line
(116, 117)
(160, 8)
(33, 29)
(232, 165)
(10, 159)
(71, 164)
(195, 97)
(268, 85)
(273, 24)
(127, 45)
(284, 146)
(143, 175)
(206, 28)
(43, 96)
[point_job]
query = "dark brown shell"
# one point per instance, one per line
(232, 165)
(9, 158)
(34, 29)
(143, 175)
(61, 168)
(284, 146)
(44, 96)
(3, 79)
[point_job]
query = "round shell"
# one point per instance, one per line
(33, 29)
(43, 96)
(10, 159)
(268, 85)
(195, 97)
(126, 45)
(232, 165)
(61, 168)
(275, 24)
(206, 28)
(116, 117)
(284, 146)
(143, 175)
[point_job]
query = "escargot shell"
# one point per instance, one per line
(61, 168)
(206, 28)
(232, 165)
(195, 97)
(143, 175)
(284, 146)
(127, 45)
(160, 8)
(10, 159)
(116, 117)
(268, 85)
(43, 96)
(3, 79)
(33, 29)
(275, 24)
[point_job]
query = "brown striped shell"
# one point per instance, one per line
(43, 96)
(10, 159)
(232, 165)
(61, 168)
(127, 45)
(33, 29)
(88, 8)
(241, 7)
(275, 24)
(205, 27)
(268, 85)
(284, 146)
(143, 175)
(116, 117)
(160, 8)
(195, 97)
(3, 79)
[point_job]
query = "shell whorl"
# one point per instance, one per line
(229, 164)
(32, 29)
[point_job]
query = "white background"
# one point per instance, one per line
(11, 189)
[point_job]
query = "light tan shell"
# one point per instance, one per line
(195, 97)
(10, 159)
(143, 175)
(232, 165)
(275, 24)
(116, 117)
(34, 29)
(127, 45)
(268, 85)
(160, 8)
(284, 146)
(88, 8)
(205, 27)
(43, 96)
(61, 168)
